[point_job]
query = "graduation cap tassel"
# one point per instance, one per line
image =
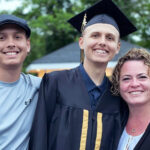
(84, 22)
(107, 12)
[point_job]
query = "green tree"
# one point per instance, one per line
(48, 23)
(138, 11)
(50, 30)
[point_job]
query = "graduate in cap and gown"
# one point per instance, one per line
(76, 110)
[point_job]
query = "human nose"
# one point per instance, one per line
(10, 43)
(134, 83)
(102, 41)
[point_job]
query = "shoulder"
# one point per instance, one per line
(32, 80)
(110, 98)
(62, 74)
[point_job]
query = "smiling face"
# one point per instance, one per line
(135, 82)
(100, 43)
(14, 46)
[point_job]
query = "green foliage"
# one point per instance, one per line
(48, 21)
(50, 30)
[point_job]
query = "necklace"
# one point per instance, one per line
(133, 130)
(130, 139)
(129, 142)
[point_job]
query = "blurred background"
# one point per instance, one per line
(52, 36)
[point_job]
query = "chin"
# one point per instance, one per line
(139, 103)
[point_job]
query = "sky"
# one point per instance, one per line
(9, 5)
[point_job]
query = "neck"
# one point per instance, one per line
(141, 111)
(95, 71)
(9, 75)
(139, 118)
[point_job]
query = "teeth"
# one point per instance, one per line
(101, 51)
(11, 53)
(134, 93)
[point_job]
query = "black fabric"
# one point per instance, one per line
(144, 143)
(11, 19)
(58, 120)
(104, 18)
(110, 13)
(93, 90)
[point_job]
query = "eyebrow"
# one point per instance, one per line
(125, 75)
(111, 34)
(142, 74)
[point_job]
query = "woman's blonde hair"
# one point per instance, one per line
(133, 54)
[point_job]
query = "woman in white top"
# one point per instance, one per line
(131, 80)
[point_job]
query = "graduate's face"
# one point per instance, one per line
(14, 46)
(135, 83)
(100, 43)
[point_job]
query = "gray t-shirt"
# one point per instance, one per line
(17, 106)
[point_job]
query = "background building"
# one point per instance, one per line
(68, 57)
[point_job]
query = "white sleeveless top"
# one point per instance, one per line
(128, 142)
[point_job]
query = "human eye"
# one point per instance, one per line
(110, 37)
(2, 37)
(95, 35)
(18, 36)
(125, 78)
(142, 77)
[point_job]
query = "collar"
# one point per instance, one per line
(90, 85)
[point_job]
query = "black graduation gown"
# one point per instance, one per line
(144, 143)
(64, 119)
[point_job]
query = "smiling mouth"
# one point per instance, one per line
(11, 53)
(99, 51)
(136, 92)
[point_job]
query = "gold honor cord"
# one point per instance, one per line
(99, 131)
(84, 130)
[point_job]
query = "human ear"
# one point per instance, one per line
(118, 47)
(81, 43)
(28, 46)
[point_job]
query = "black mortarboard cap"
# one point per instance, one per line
(107, 12)
(11, 19)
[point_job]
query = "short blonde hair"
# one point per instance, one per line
(133, 54)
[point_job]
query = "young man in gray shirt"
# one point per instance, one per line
(18, 91)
